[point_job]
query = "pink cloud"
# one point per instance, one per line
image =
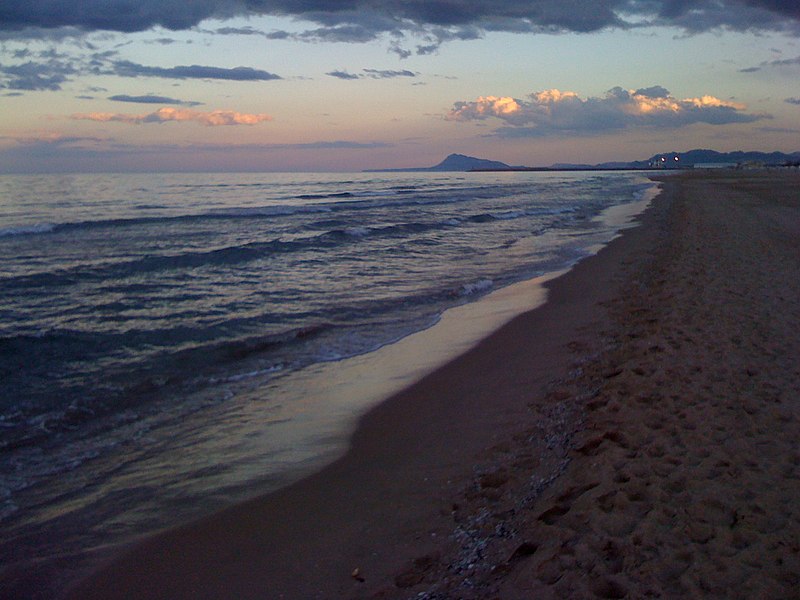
(163, 115)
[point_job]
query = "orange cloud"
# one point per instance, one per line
(162, 115)
(553, 112)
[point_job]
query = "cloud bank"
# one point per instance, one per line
(360, 20)
(555, 113)
(150, 99)
(372, 74)
(126, 68)
(47, 71)
(163, 115)
(772, 64)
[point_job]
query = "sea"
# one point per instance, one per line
(171, 344)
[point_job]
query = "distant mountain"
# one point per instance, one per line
(460, 162)
(455, 162)
(695, 157)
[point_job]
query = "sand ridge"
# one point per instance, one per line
(682, 477)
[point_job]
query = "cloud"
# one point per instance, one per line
(49, 70)
(152, 100)
(372, 74)
(163, 115)
(239, 31)
(377, 74)
(783, 62)
(361, 20)
(36, 76)
(126, 68)
(343, 75)
(555, 113)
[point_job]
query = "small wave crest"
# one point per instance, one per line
(477, 287)
(36, 228)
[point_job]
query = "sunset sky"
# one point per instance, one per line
(345, 85)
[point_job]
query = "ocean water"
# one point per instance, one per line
(159, 334)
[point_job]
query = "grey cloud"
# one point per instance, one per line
(342, 75)
(355, 20)
(33, 76)
(50, 70)
(164, 41)
(784, 62)
(655, 91)
(377, 74)
(126, 68)
(340, 33)
(396, 48)
(152, 100)
(238, 31)
(372, 74)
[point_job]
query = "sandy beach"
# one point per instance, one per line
(635, 437)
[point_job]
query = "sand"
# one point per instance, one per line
(637, 436)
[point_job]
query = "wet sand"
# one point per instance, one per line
(636, 436)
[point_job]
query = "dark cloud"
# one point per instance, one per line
(556, 113)
(125, 68)
(49, 70)
(343, 75)
(359, 20)
(164, 41)
(152, 100)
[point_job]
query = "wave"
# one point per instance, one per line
(230, 255)
(397, 197)
(477, 287)
(128, 382)
(27, 229)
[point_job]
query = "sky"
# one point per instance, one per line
(346, 85)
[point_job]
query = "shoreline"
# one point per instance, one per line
(328, 396)
(552, 321)
(413, 506)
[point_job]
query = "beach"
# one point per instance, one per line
(635, 436)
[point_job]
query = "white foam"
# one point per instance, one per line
(357, 231)
(475, 288)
